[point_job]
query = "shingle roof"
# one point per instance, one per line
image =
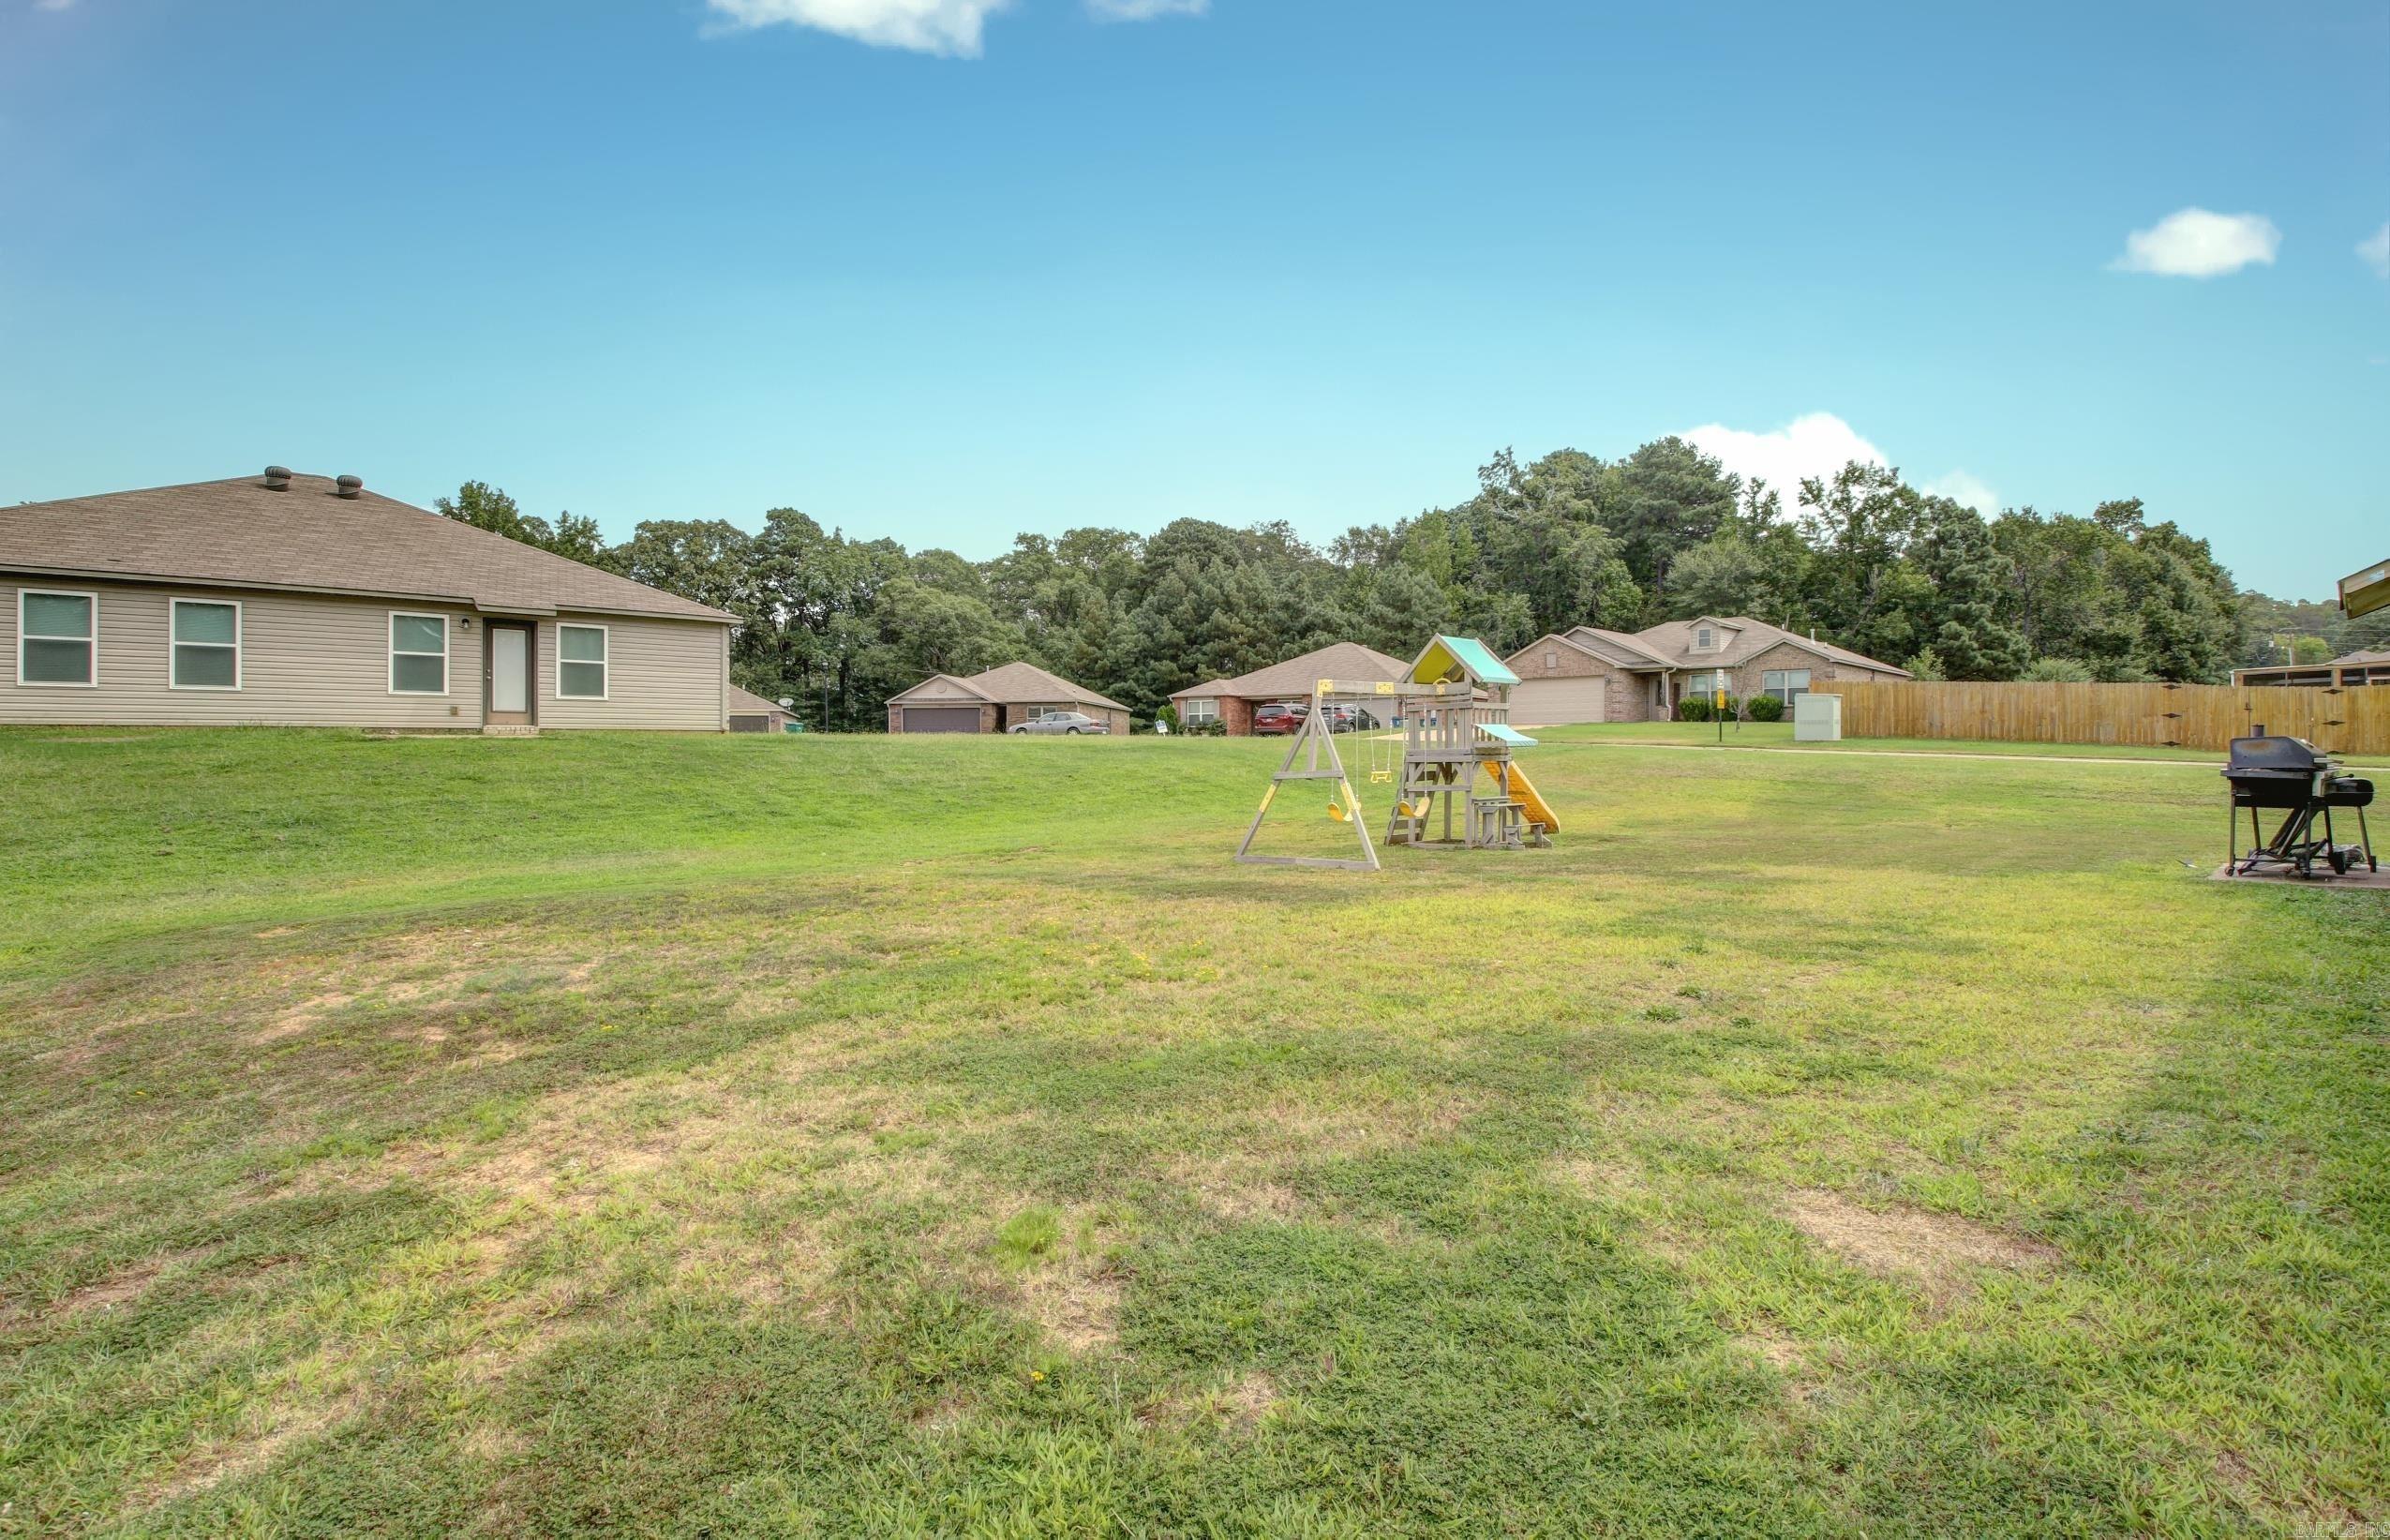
(1747, 638)
(1297, 676)
(747, 700)
(240, 534)
(1026, 685)
(1616, 646)
(2352, 659)
(1206, 690)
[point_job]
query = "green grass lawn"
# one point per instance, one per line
(833, 1136)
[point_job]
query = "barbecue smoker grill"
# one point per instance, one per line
(2293, 777)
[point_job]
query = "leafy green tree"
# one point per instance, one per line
(1859, 582)
(1955, 554)
(927, 630)
(1662, 500)
(572, 536)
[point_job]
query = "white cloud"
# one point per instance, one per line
(1144, 10)
(2375, 250)
(1967, 487)
(54, 5)
(928, 26)
(2193, 243)
(1817, 443)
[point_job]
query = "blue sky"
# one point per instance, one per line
(944, 269)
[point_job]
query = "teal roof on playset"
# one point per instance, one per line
(1473, 658)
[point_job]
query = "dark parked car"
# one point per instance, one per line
(1285, 718)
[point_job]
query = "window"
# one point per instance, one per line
(418, 654)
(1551, 662)
(206, 646)
(580, 661)
(1707, 685)
(57, 637)
(1203, 709)
(1785, 683)
(1704, 640)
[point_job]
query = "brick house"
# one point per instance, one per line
(1591, 675)
(1230, 701)
(994, 701)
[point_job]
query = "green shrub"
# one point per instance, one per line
(2058, 671)
(1767, 709)
(1694, 708)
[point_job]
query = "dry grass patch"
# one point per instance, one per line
(285, 1422)
(125, 1286)
(1939, 1250)
(1248, 1399)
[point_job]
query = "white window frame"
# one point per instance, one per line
(606, 663)
(390, 653)
(1202, 708)
(1784, 689)
(239, 644)
(1705, 641)
(91, 683)
(1709, 682)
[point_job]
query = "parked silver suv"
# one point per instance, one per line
(1062, 722)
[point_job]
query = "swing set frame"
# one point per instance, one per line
(1311, 756)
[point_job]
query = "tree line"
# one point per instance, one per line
(1866, 560)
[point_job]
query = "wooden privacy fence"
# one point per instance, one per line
(2355, 720)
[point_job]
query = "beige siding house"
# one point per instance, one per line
(299, 601)
(752, 713)
(1591, 675)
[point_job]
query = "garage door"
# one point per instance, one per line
(941, 719)
(1549, 703)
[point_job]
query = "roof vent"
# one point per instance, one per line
(350, 486)
(277, 478)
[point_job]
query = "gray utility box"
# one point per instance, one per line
(1818, 719)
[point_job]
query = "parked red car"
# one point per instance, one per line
(1284, 719)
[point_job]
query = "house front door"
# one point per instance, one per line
(510, 674)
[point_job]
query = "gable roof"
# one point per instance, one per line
(1471, 659)
(1026, 685)
(1672, 640)
(747, 701)
(241, 534)
(1297, 676)
(2352, 659)
(1208, 688)
(1618, 646)
(940, 687)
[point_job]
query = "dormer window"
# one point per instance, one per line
(1704, 640)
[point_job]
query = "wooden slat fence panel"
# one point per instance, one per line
(2355, 720)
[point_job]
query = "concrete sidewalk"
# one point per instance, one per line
(2210, 765)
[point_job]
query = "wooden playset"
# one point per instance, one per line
(1459, 787)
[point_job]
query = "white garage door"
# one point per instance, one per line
(1549, 703)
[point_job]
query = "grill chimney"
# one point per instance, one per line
(277, 478)
(350, 486)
